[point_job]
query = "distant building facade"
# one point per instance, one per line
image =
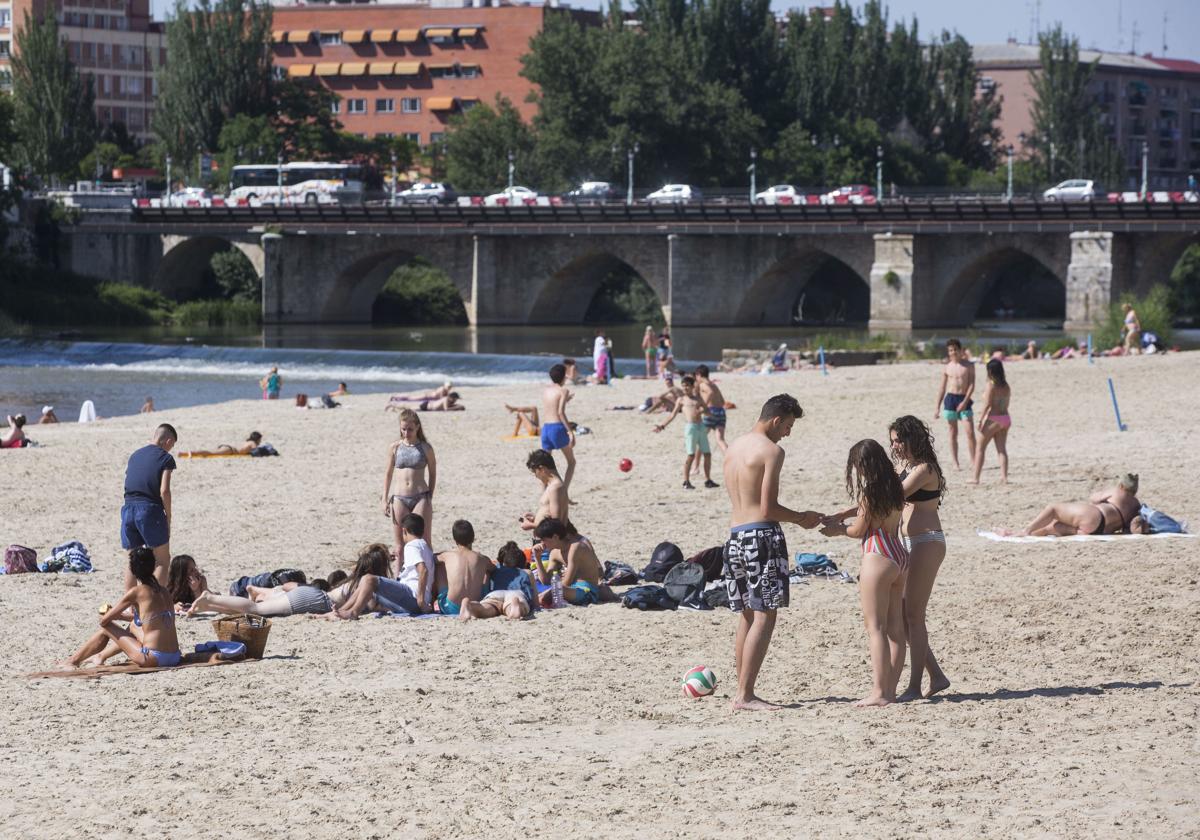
(404, 69)
(112, 41)
(1142, 100)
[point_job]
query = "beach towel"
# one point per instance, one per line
(68, 557)
(992, 535)
(1160, 523)
(191, 660)
(87, 412)
(190, 455)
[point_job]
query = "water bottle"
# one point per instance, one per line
(556, 591)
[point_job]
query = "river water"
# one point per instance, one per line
(118, 368)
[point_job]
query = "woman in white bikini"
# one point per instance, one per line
(994, 423)
(406, 487)
(921, 531)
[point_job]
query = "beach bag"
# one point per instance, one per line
(263, 451)
(712, 560)
(665, 556)
(18, 560)
(1159, 522)
(302, 401)
(814, 564)
(69, 557)
(685, 585)
(617, 573)
(648, 598)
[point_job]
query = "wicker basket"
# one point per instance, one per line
(250, 630)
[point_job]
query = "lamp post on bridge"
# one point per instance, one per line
(168, 189)
(1009, 150)
(879, 174)
(511, 168)
(393, 204)
(753, 170)
(279, 178)
(1145, 169)
(630, 152)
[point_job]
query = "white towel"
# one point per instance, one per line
(992, 535)
(87, 412)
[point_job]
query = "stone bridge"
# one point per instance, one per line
(927, 267)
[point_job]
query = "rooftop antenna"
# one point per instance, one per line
(1032, 24)
(1164, 49)
(1134, 39)
(1120, 30)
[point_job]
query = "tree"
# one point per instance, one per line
(220, 67)
(109, 156)
(54, 114)
(247, 139)
(8, 131)
(1068, 137)
(478, 144)
(303, 117)
(236, 276)
(1185, 284)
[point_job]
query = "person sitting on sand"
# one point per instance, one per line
(14, 438)
(185, 581)
(572, 376)
(511, 589)
(526, 424)
(372, 589)
(779, 361)
(395, 403)
(252, 442)
(289, 599)
(48, 415)
(150, 640)
(460, 573)
(147, 406)
(447, 403)
(581, 568)
(663, 402)
(340, 391)
(1112, 511)
(1031, 351)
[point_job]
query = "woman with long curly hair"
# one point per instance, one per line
(921, 529)
(405, 487)
(874, 486)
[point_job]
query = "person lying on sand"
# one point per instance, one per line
(396, 402)
(288, 599)
(510, 592)
(340, 391)
(327, 584)
(1111, 511)
(526, 424)
(48, 415)
(14, 438)
(149, 641)
(663, 402)
(447, 403)
(460, 573)
(252, 443)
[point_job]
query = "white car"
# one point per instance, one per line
(780, 194)
(511, 196)
(674, 194)
(189, 197)
(1075, 190)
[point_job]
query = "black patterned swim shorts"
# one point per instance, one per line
(755, 568)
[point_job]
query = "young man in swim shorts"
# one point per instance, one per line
(581, 568)
(714, 404)
(954, 397)
(556, 430)
(755, 566)
(461, 572)
(695, 436)
(146, 514)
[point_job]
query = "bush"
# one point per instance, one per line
(218, 313)
(418, 293)
(624, 298)
(1154, 312)
(1185, 285)
(236, 276)
(127, 304)
(41, 295)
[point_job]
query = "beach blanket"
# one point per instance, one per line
(191, 660)
(214, 454)
(69, 557)
(521, 437)
(992, 535)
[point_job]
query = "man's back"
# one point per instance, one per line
(466, 571)
(710, 393)
(582, 564)
(551, 400)
(143, 474)
(746, 462)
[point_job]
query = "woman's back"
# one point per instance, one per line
(154, 612)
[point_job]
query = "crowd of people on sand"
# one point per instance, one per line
(895, 495)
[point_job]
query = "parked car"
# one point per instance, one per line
(511, 196)
(591, 192)
(432, 193)
(190, 197)
(674, 194)
(850, 194)
(781, 194)
(1073, 190)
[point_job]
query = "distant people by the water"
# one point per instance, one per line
(147, 406)
(599, 357)
(995, 421)
(526, 422)
(1115, 510)
(1132, 329)
(714, 404)
(14, 438)
(340, 391)
(410, 479)
(572, 376)
(555, 431)
(48, 415)
(87, 412)
(649, 348)
(779, 361)
(954, 397)
(252, 442)
(695, 435)
(396, 402)
(146, 514)
(450, 402)
(665, 349)
(271, 384)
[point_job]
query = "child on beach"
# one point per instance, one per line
(874, 485)
(695, 435)
(994, 423)
(462, 572)
(150, 640)
(954, 396)
(556, 430)
(511, 589)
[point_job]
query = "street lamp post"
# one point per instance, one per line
(1145, 169)
(393, 178)
(879, 173)
(1010, 170)
(510, 168)
(168, 190)
(97, 171)
(279, 177)
(633, 150)
(753, 169)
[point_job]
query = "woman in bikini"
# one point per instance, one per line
(14, 438)
(873, 484)
(252, 443)
(921, 531)
(994, 423)
(1112, 511)
(405, 487)
(1132, 329)
(649, 349)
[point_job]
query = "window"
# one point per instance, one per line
(436, 137)
(468, 71)
(335, 107)
(331, 38)
(356, 106)
(136, 119)
(89, 51)
(102, 84)
(412, 136)
(410, 105)
(102, 52)
(5, 18)
(4, 49)
(384, 135)
(133, 84)
(385, 106)
(98, 21)
(441, 71)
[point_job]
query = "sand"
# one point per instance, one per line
(1073, 710)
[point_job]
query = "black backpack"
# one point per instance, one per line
(685, 584)
(648, 598)
(617, 573)
(665, 556)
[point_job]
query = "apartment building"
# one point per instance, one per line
(112, 41)
(404, 69)
(1146, 103)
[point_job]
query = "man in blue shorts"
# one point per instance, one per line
(954, 397)
(556, 429)
(146, 514)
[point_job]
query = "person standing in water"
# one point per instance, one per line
(271, 384)
(954, 397)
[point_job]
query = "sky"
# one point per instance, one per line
(994, 21)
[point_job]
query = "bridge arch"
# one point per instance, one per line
(568, 291)
(1005, 282)
(811, 286)
(358, 284)
(184, 269)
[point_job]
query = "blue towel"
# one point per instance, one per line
(228, 650)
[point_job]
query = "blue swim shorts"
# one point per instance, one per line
(447, 606)
(144, 523)
(715, 418)
(950, 408)
(555, 436)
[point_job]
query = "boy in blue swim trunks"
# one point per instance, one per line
(462, 572)
(146, 514)
(556, 430)
(582, 570)
(954, 397)
(695, 434)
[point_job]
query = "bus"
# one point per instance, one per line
(303, 182)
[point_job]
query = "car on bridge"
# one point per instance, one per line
(436, 192)
(511, 196)
(1076, 189)
(591, 192)
(781, 194)
(674, 194)
(851, 194)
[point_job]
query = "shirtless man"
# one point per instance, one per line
(695, 438)
(1112, 511)
(755, 569)
(553, 503)
(954, 397)
(714, 401)
(556, 431)
(581, 569)
(460, 573)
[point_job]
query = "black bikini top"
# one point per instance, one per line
(920, 495)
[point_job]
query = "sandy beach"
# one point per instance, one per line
(1073, 709)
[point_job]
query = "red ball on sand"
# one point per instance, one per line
(625, 465)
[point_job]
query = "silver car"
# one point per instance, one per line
(1074, 190)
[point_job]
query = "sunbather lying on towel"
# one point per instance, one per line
(397, 400)
(1112, 511)
(252, 443)
(289, 599)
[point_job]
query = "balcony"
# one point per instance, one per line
(1136, 100)
(1137, 129)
